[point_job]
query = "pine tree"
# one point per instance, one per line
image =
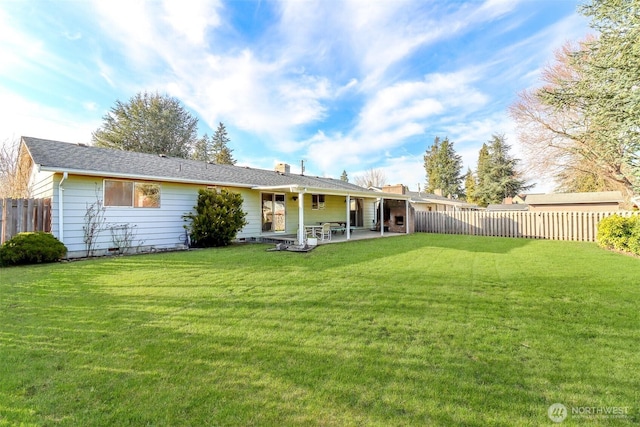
(431, 166)
(202, 149)
(497, 173)
(220, 151)
(482, 175)
(344, 176)
(442, 166)
(470, 186)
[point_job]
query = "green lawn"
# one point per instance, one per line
(412, 330)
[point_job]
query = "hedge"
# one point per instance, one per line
(620, 233)
(31, 248)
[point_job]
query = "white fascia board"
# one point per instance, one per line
(142, 177)
(329, 191)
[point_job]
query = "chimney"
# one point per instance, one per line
(395, 189)
(438, 192)
(283, 168)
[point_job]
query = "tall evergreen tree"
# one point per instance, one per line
(344, 176)
(220, 151)
(610, 83)
(442, 166)
(431, 166)
(149, 123)
(202, 149)
(482, 174)
(470, 187)
(498, 176)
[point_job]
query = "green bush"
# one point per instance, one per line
(218, 218)
(634, 237)
(31, 248)
(620, 233)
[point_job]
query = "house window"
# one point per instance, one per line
(131, 194)
(317, 201)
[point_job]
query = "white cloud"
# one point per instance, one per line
(25, 118)
(192, 19)
(396, 113)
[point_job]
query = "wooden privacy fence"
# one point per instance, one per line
(579, 226)
(18, 215)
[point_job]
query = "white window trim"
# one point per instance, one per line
(133, 194)
(316, 204)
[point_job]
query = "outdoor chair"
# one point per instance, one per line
(325, 232)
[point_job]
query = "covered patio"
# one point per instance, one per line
(353, 213)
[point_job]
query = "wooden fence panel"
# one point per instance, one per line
(20, 215)
(558, 225)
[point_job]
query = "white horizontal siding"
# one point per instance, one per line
(335, 210)
(159, 228)
(41, 185)
(163, 227)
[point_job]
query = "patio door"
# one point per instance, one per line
(273, 212)
(356, 215)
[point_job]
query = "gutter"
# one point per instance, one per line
(109, 175)
(65, 175)
(329, 191)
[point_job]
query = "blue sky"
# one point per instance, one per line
(344, 85)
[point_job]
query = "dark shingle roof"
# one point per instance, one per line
(83, 159)
(515, 207)
(575, 198)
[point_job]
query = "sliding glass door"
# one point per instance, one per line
(356, 212)
(273, 212)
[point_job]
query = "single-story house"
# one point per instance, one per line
(422, 202)
(148, 194)
(601, 201)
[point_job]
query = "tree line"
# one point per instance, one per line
(495, 178)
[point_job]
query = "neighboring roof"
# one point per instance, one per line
(575, 198)
(57, 156)
(513, 207)
(420, 197)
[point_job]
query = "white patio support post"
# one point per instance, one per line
(348, 209)
(301, 233)
(381, 216)
(406, 217)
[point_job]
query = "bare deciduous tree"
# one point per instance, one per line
(559, 142)
(14, 176)
(371, 178)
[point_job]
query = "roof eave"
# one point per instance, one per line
(295, 188)
(141, 177)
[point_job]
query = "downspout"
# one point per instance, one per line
(65, 175)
